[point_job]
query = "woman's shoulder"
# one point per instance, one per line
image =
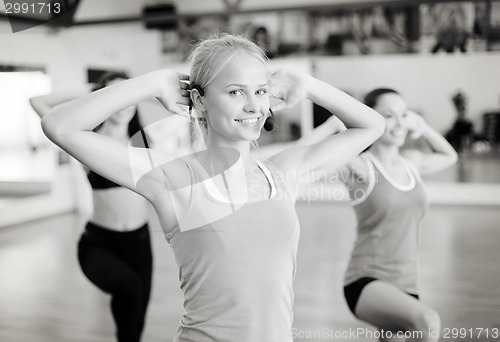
(164, 178)
(178, 173)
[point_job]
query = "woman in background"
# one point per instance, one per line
(381, 281)
(114, 251)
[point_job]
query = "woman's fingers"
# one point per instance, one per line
(185, 101)
(183, 77)
(287, 86)
(415, 124)
(185, 85)
(174, 91)
(277, 104)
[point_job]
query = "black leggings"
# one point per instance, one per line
(352, 292)
(120, 263)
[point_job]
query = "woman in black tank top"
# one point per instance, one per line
(114, 251)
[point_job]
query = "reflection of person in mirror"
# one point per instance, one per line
(114, 251)
(461, 134)
(381, 281)
(453, 31)
(263, 40)
(238, 260)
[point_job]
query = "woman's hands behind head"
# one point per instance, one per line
(172, 90)
(288, 87)
(415, 124)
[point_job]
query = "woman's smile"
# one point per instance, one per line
(250, 121)
(399, 133)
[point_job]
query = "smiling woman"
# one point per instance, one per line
(381, 281)
(236, 253)
(239, 104)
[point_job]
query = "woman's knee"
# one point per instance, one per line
(427, 320)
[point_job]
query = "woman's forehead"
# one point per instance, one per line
(242, 68)
(390, 101)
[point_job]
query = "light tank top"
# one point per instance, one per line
(389, 219)
(236, 273)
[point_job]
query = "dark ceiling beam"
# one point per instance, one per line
(110, 21)
(324, 7)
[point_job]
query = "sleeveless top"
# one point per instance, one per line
(236, 272)
(99, 182)
(389, 218)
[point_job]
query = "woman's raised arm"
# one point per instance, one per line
(443, 154)
(70, 127)
(363, 124)
(44, 104)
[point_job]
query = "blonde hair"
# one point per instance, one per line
(209, 57)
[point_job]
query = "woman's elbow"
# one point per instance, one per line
(377, 126)
(33, 103)
(446, 160)
(52, 129)
(453, 157)
(36, 107)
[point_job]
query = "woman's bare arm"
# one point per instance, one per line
(70, 127)
(443, 154)
(363, 126)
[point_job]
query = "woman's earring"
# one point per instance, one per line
(270, 122)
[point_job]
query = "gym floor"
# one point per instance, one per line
(44, 296)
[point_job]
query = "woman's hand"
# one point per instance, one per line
(415, 123)
(288, 87)
(442, 153)
(172, 90)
